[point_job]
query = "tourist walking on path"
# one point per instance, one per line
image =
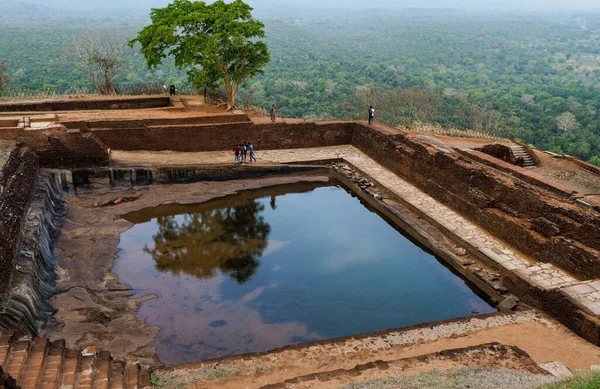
(252, 157)
(273, 113)
(371, 115)
(236, 152)
(244, 152)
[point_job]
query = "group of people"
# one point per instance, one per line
(241, 152)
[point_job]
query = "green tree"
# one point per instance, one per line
(4, 78)
(217, 43)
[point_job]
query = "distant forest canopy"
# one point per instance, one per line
(534, 76)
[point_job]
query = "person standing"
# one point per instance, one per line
(236, 152)
(244, 153)
(273, 113)
(371, 115)
(252, 157)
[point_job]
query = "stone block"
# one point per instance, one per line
(508, 304)
(557, 369)
(545, 227)
(595, 284)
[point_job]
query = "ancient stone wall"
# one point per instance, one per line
(86, 104)
(224, 137)
(10, 133)
(561, 233)
(199, 120)
(8, 122)
(18, 171)
(557, 305)
(58, 147)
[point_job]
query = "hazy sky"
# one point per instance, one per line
(396, 4)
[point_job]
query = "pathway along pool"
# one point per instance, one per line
(249, 273)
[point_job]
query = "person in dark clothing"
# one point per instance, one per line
(236, 152)
(273, 113)
(244, 153)
(371, 115)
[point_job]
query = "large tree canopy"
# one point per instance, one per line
(218, 43)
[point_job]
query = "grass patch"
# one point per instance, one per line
(579, 381)
(259, 369)
(459, 379)
(187, 378)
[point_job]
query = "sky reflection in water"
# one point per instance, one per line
(249, 275)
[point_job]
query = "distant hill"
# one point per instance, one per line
(11, 9)
(87, 5)
(278, 7)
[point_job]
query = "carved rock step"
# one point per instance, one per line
(38, 364)
(521, 152)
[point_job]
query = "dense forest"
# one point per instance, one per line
(534, 76)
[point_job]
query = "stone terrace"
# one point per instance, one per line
(38, 363)
(545, 276)
(568, 270)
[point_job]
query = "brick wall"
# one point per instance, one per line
(74, 105)
(10, 133)
(114, 124)
(57, 147)
(225, 136)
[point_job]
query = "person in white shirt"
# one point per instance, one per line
(371, 115)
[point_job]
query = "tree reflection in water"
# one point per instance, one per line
(229, 239)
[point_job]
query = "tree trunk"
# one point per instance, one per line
(231, 95)
(230, 102)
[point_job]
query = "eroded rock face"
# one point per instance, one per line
(545, 227)
(18, 170)
(505, 209)
(25, 303)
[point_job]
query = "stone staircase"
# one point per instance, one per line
(521, 152)
(30, 363)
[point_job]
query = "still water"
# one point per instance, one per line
(253, 272)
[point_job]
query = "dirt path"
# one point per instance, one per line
(542, 338)
(121, 158)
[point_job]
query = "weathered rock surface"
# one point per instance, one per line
(18, 170)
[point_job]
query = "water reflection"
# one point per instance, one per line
(261, 270)
(230, 239)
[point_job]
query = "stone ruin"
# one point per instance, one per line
(522, 240)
